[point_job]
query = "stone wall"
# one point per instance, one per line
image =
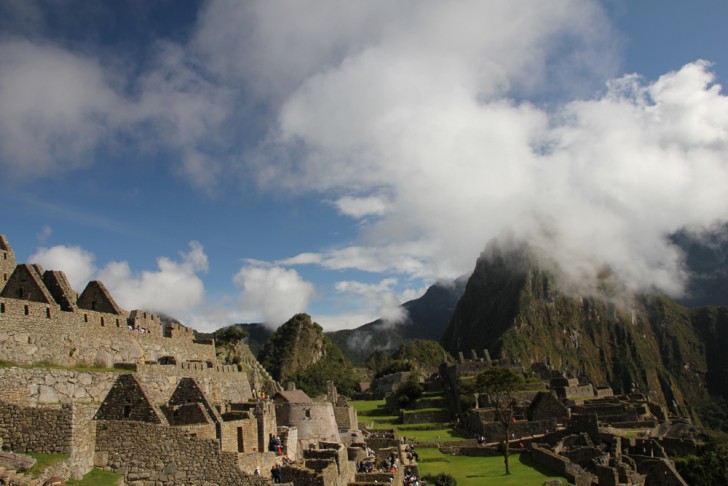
(37, 385)
(345, 417)
(142, 452)
(308, 477)
(561, 465)
(66, 429)
(32, 332)
(315, 421)
(263, 461)
(289, 440)
(239, 435)
(494, 431)
(36, 429)
(425, 416)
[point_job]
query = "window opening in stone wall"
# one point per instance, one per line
(5, 276)
(307, 413)
(102, 321)
(48, 312)
(2, 308)
(85, 318)
(5, 255)
(127, 411)
(117, 323)
(240, 439)
(27, 310)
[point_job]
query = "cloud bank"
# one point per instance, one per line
(474, 118)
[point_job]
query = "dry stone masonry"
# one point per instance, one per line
(165, 413)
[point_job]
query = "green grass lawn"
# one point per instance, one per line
(374, 412)
(96, 477)
(435, 435)
(483, 471)
(44, 460)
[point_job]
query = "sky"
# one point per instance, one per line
(242, 161)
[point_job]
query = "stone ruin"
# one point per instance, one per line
(577, 429)
(171, 414)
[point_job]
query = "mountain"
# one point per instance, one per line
(513, 307)
(427, 318)
(707, 258)
(299, 351)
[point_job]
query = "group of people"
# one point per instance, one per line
(411, 454)
(142, 330)
(274, 445)
(410, 479)
(365, 466)
(275, 473)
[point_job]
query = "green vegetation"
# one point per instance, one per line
(710, 467)
(96, 477)
(407, 394)
(300, 351)
(441, 479)
(43, 461)
(482, 471)
(375, 414)
(229, 334)
(416, 355)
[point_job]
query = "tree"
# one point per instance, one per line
(500, 384)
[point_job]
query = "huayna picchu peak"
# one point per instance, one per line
(649, 344)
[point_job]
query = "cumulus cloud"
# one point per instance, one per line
(436, 115)
(437, 105)
(77, 263)
(174, 287)
(273, 292)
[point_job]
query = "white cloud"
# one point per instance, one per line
(379, 297)
(74, 261)
(359, 207)
(275, 293)
(55, 107)
(173, 288)
(433, 115)
(411, 258)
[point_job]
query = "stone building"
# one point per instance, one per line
(170, 414)
(315, 421)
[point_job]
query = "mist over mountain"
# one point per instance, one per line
(515, 306)
(707, 258)
(427, 317)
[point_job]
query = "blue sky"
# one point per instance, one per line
(227, 161)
